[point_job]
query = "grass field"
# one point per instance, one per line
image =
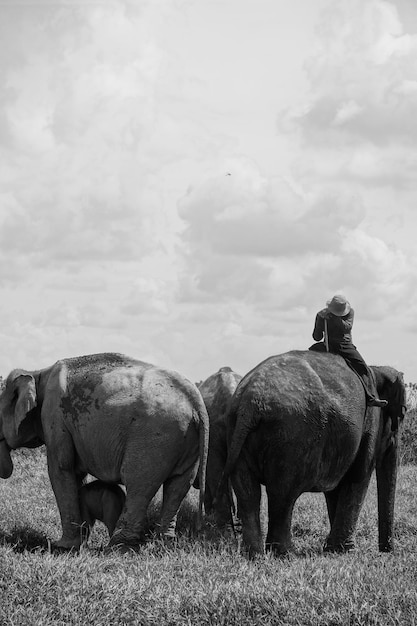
(205, 579)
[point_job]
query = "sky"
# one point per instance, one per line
(189, 181)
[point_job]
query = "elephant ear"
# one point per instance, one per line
(391, 386)
(399, 401)
(25, 387)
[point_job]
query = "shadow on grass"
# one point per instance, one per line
(25, 539)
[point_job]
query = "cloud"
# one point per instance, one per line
(87, 242)
(110, 111)
(247, 214)
(78, 114)
(361, 79)
(346, 111)
(356, 133)
(254, 240)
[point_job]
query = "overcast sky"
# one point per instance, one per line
(189, 181)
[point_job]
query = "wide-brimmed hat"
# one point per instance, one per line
(338, 305)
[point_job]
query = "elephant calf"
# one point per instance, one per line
(101, 501)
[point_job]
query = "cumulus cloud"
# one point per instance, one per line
(256, 240)
(78, 112)
(250, 215)
(357, 135)
(87, 238)
(106, 118)
(361, 77)
(275, 243)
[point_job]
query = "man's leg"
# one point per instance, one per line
(357, 363)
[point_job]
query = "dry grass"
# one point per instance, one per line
(204, 579)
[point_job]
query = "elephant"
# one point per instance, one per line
(101, 501)
(298, 422)
(217, 391)
(119, 419)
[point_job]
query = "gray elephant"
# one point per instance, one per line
(119, 419)
(217, 391)
(299, 422)
(101, 501)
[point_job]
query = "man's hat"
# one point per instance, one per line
(338, 305)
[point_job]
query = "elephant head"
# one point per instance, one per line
(18, 411)
(390, 384)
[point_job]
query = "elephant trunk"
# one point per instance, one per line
(386, 474)
(6, 463)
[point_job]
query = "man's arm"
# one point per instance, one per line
(347, 321)
(318, 331)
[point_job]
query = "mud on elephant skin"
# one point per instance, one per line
(100, 501)
(299, 422)
(217, 391)
(114, 417)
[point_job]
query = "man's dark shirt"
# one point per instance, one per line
(339, 329)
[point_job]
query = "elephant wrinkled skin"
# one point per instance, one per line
(103, 502)
(119, 419)
(298, 422)
(217, 391)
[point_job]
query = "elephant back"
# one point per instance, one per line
(294, 387)
(217, 391)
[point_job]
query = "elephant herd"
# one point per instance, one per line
(297, 422)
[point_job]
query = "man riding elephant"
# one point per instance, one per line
(334, 324)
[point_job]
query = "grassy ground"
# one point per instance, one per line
(202, 580)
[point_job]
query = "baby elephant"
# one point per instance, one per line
(102, 501)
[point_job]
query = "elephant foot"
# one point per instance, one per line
(166, 532)
(229, 532)
(278, 549)
(339, 548)
(123, 543)
(255, 554)
(120, 548)
(168, 536)
(167, 540)
(387, 547)
(253, 550)
(65, 546)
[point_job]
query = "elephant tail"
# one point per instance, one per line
(245, 421)
(203, 421)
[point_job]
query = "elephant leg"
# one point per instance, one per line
(280, 508)
(112, 510)
(174, 491)
(386, 475)
(219, 500)
(142, 480)
(130, 526)
(88, 519)
(208, 500)
(248, 494)
(220, 496)
(331, 502)
(65, 485)
(224, 513)
(347, 501)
